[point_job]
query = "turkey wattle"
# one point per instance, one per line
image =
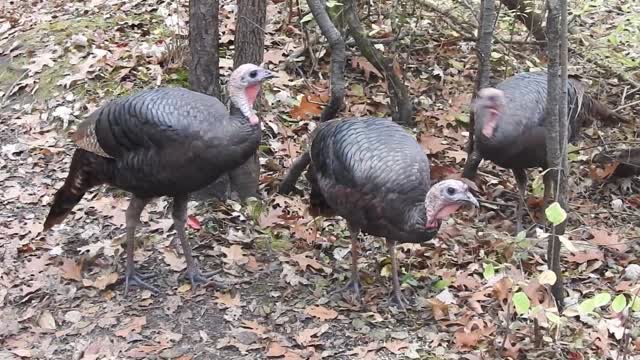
(162, 142)
(371, 172)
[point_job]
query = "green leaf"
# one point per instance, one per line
(357, 90)
(307, 18)
(521, 235)
(601, 299)
(521, 302)
(489, 271)
(635, 304)
(619, 303)
(538, 186)
(555, 213)
(332, 3)
(441, 284)
(553, 317)
(587, 306)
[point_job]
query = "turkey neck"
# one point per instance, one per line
(242, 101)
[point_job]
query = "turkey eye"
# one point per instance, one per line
(253, 74)
(451, 191)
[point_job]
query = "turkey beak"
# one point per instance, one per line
(266, 74)
(470, 199)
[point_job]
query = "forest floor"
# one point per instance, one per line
(61, 294)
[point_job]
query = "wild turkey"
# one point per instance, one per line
(162, 142)
(373, 173)
(509, 125)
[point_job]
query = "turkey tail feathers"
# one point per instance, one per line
(80, 180)
(297, 167)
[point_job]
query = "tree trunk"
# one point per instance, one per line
(555, 141)
(204, 76)
(249, 48)
(483, 49)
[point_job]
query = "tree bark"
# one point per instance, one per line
(337, 84)
(401, 104)
(483, 48)
(555, 125)
(204, 76)
(528, 17)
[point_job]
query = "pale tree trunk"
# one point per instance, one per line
(556, 133)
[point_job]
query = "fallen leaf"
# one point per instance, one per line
(396, 345)
(175, 263)
(359, 62)
(306, 336)
(612, 241)
(46, 321)
(309, 107)
(432, 144)
(235, 255)
(321, 312)
(274, 56)
(584, 256)
(134, 326)
(227, 300)
(304, 261)
(276, 350)
(102, 281)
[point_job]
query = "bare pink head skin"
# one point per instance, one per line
(446, 197)
(490, 101)
(244, 85)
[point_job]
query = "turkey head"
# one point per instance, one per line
(489, 106)
(244, 86)
(445, 198)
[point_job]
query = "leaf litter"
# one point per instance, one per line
(66, 298)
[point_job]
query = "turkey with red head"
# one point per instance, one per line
(371, 172)
(510, 130)
(162, 142)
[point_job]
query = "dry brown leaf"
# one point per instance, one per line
(102, 281)
(309, 336)
(270, 218)
(603, 238)
(432, 144)
(46, 321)
(276, 350)
(71, 270)
(309, 107)
(227, 300)
(134, 326)
(304, 261)
(584, 256)
(175, 263)
(235, 255)
(358, 62)
(396, 346)
(321, 312)
(274, 56)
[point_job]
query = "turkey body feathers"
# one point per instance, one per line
(373, 173)
(519, 138)
(170, 141)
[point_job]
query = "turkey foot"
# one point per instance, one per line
(354, 287)
(135, 278)
(397, 299)
(199, 278)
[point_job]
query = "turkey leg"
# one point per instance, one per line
(396, 296)
(354, 282)
(179, 222)
(521, 180)
(133, 277)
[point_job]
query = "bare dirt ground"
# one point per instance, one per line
(61, 295)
